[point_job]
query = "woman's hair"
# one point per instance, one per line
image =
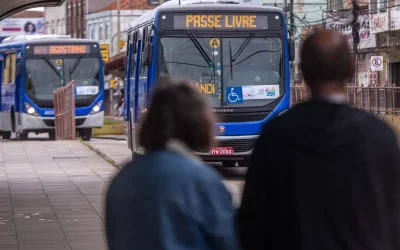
(27, 25)
(177, 111)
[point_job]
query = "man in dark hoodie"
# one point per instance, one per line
(324, 175)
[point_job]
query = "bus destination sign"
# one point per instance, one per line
(221, 21)
(61, 49)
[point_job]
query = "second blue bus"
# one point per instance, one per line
(33, 66)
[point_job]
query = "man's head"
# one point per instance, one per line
(326, 60)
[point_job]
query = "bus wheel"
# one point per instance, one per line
(6, 135)
(86, 134)
(228, 164)
(22, 136)
(244, 163)
(52, 135)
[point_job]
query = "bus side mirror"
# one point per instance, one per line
(148, 54)
(292, 51)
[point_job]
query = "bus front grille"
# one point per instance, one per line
(238, 145)
(51, 123)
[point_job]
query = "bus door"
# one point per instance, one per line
(8, 91)
(1, 77)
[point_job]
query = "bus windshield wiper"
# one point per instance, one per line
(75, 65)
(200, 49)
(51, 66)
(242, 47)
(230, 59)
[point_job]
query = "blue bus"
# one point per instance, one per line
(236, 55)
(33, 66)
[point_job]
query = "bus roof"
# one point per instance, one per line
(195, 5)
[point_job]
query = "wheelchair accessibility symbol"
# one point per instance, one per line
(234, 95)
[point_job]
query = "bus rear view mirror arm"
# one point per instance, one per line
(148, 54)
(18, 69)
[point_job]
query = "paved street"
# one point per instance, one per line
(118, 151)
(51, 196)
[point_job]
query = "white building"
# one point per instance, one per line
(55, 20)
(103, 26)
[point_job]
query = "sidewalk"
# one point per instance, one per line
(116, 151)
(52, 196)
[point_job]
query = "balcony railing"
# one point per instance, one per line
(379, 100)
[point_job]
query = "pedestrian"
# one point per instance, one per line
(323, 175)
(168, 199)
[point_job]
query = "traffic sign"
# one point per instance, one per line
(376, 63)
(105, 52)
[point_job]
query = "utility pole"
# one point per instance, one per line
(355, 26)
(118, 25)
(118, 42)
(291, 19)
(285, 7)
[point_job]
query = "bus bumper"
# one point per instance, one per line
(47, 124)
(242, 148)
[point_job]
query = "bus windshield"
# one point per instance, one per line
(44, 75)
(244, 72)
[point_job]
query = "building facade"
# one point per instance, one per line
(55, 20)
(103, 26)
(385, 24)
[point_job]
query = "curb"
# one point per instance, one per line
(109, 138)
(101, 154)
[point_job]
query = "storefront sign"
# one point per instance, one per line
(344, 26)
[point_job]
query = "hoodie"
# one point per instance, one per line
(323, 176)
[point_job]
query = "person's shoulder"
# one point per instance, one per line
(372, 126)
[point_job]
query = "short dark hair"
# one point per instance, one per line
(176, 111)
(326, 57)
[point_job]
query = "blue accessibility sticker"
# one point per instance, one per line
(234, 95)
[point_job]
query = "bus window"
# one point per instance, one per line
(128, 49)
(86, 76)
(143, 72)
(13, 67)
(133, 61)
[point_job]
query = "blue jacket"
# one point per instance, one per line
(167, 201)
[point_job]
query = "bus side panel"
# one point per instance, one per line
(8, 92)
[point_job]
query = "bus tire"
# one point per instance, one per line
(229, 164)
(12, 119)
(52, 135)
(6, 135)
(86, 134)
(22, 136)
(244, 163)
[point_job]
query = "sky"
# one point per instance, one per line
(39, 8)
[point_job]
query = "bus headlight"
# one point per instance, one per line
(96, 108)
(30, 110)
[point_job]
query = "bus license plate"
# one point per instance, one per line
(221, 151)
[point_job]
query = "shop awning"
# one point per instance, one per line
(116, 65)
(10, 7)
